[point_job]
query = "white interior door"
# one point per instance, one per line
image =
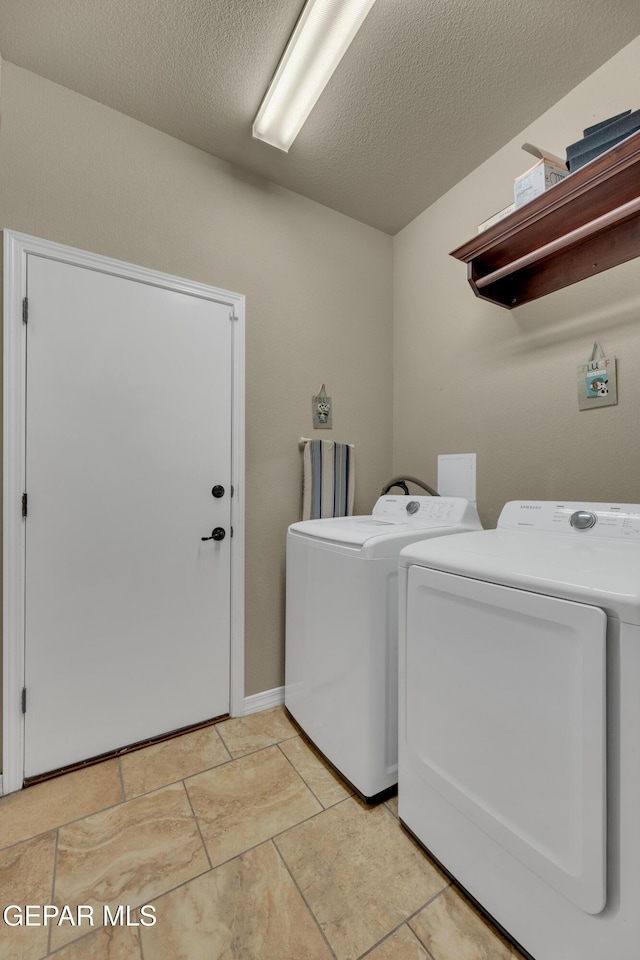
(128, 429)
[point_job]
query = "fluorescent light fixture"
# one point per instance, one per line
(318, 43)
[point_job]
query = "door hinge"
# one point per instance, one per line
(25, 310)
(232, 315)
(24, 699)
(24, 505)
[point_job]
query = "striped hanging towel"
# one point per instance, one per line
(329, 479)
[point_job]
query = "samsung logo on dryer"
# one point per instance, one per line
(531, 506)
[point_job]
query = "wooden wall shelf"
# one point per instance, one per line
(585, 224)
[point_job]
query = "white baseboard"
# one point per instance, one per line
(264, 700)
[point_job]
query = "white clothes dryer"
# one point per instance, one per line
(341, 682)
(519, 767)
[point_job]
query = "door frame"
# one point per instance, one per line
(17, 248)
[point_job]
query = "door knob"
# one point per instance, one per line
(218, 491)
(218, 533)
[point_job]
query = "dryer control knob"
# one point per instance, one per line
(412, 507)
(582, 519)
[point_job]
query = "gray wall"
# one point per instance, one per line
(473, 377)
(318, 288)
(467, 376)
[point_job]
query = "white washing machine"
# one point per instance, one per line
(519, 768)
(341, 630)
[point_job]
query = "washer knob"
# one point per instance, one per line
(582, 519)
(412, 507)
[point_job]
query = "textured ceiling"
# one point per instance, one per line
(428, 90)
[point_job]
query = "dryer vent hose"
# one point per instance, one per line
(402, 482)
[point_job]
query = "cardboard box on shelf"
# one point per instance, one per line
(496, 218)
(544, 174)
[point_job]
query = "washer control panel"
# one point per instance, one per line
(619, 521)
(423, 510)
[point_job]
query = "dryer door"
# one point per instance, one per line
(505, 718)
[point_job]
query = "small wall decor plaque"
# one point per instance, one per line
(597, 384)
(321, 411)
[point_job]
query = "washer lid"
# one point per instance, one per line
(354, 531)
(598, 571)
(398, 517)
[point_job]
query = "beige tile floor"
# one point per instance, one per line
(241, 844)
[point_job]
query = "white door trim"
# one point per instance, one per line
(17, 247)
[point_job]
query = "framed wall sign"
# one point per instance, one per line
(597, 383)
(321, 410)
